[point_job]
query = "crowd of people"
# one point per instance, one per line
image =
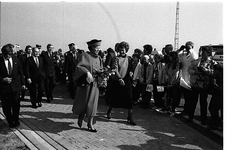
(165, 76)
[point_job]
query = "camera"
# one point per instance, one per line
(182, 47)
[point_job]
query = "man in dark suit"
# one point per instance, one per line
(23, 61)
(35, 75)
(70, 65)
(50, 81)
(11, 79)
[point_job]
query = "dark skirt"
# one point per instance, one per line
(121, 96)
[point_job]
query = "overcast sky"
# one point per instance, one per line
(138, 23)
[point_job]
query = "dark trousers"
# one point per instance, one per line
(174, 96)
(57, 73)
(71, 86)
(50, 84)
(63, 77)
(23, 92)
(146, 97)
(11, 106)
(136, 92)
(158, 96)
(36, 92)
(203, 103)
(187, 98)
(216, 104)
(108, 90)
(22, 95)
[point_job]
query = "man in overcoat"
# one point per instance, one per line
(70, 65)
(50, 81)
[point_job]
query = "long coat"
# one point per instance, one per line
(48, 63)
(70, 63)
(87, 95)
(23, 61)
(35, 73)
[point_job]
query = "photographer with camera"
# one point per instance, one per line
(186, 54)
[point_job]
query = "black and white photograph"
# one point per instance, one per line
(111, 75)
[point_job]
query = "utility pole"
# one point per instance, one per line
(176, 39)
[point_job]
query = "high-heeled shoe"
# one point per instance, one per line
(91, 129)
(130, 121)
(80, 119)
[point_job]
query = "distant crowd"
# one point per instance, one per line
(164, 76)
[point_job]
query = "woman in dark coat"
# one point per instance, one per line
(87, 95)
(109, 63)
(121, 95)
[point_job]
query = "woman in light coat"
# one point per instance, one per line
(87, 95)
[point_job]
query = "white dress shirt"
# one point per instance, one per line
(6, 63)
(36, 61)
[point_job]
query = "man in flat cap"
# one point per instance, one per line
(38, 46)
(70, 65)
(71, 44)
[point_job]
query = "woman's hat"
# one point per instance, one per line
(94, 42)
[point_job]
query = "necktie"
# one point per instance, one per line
(36, 60)
(9, 67)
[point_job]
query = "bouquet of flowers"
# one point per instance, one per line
(101, 76)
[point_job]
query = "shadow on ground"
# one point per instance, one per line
(153, 131)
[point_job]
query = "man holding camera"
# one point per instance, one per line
(186, 54)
